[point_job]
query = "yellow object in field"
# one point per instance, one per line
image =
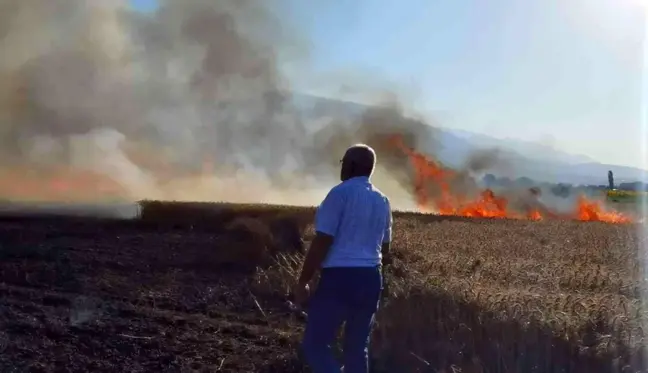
(616, 195)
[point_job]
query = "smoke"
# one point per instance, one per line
(374, 125)
(89, 85)
(186, 103)
(483, 159)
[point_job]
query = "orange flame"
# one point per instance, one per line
(432, 184)
(593, 211)
(430, 173)
(56, 185)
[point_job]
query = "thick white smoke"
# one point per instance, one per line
(89, 85)
(184, 103)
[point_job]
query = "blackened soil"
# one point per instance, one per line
(101, 296)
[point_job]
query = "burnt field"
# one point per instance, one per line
(204, 288)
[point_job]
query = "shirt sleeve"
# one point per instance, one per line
(387, 236)
(329, 213)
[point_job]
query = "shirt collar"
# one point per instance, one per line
(358, 179)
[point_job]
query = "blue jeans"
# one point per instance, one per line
(344, 295)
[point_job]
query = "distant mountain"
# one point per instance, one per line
(542, 162)
(516, 158)
(621, 173)
(527, 149)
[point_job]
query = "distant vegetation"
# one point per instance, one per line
(624, 192)
(617, 195)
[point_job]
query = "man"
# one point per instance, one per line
(353, 231)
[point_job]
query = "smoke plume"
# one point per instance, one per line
(144, 99)
(188, 102)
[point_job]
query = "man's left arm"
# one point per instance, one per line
(385, 248)
(327, 220)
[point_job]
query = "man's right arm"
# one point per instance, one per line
(385, 248)
(327, 220)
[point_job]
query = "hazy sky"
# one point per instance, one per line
(567, 72)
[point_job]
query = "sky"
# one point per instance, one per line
(561, 72)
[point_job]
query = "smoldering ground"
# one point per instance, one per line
(188, 102)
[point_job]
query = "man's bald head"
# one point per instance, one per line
(358, 160)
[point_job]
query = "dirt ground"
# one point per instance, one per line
(100, 296)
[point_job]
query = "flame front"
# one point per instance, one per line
(430, 173)
(594, 211)
(434, 188)
(57, 185)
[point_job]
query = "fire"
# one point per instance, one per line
(56, 185)
(593, 211)
(430, 174)
(434, 188)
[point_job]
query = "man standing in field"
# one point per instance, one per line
(353, 231)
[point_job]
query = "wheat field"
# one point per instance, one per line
(463, 295)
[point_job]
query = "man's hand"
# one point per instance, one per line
(313, 262)
(387, 260)
(385, 250)
(301, 292)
